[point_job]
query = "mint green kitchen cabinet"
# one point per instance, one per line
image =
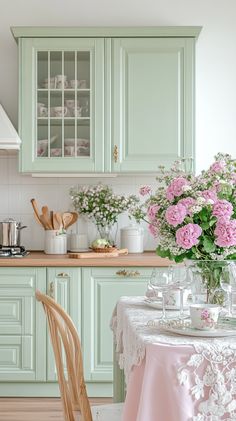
(64, 285)
(113, 100)
(22, 325)
(61, 105)
(152, 102)
(101, 289)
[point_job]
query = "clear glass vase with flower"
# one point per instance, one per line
(194, 219)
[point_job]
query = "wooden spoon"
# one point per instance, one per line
(59, 220)
(36, 212)
(66, 219)
(73, 220)
(56, 224)
(46, 216)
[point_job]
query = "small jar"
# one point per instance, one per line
(131, 237)
(55, 242)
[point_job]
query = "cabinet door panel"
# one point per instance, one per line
(152, 85)
(62, 104)
(22, 325)
(64, 284)
(101, 289)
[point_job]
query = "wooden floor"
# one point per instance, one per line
(36, 409)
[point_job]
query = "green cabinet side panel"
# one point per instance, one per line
(152, 102)
(101, 289)
(65, 284)
(22, 325)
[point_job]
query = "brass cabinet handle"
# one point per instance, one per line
(128, 273)
(115, 153)
(51, 290)
(62, 275)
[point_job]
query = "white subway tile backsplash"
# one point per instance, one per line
(16, 190)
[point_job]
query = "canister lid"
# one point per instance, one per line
(132, 229)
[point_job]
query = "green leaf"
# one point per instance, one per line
(162, 253)
(232, 256)
(212, 221)
(208, 245)
(205, 225)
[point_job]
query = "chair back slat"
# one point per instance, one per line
(64, 338)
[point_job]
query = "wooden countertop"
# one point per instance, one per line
(146, 259)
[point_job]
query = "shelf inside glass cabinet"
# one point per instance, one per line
(63, 104)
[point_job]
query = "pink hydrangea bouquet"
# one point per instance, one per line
(193, 217)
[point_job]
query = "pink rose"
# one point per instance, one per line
(225, 232)
(187, 236)
(187, 202)
(222, 209)
(153, 230)
(218, 166)
(152, 211)
(175, 214)
(176, 188)
(145, 190)
(209, 194)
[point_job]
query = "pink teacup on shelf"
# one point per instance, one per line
(48, 83)
(42, 110)
(204, 316)
(59, 111)
(55, 152)
(70, 103)
(69, 151)
(76, 111)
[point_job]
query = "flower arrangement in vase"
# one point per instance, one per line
(194, 217)
(102, 207)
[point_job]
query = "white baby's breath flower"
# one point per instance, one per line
(210, 202)
(201, 200)
(186, 188)
(195, 209)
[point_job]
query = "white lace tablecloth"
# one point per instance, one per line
(216, 355)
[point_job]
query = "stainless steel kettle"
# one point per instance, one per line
(10, 233)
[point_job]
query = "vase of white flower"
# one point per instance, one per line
(102, 207)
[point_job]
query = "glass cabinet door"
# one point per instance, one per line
(68, 120)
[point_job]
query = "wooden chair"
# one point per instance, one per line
(65, 341)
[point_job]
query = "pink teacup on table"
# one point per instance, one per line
(204, 316)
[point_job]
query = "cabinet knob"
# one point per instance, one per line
(128, 273)
(62, 275)
(115, 153)
(51, 290)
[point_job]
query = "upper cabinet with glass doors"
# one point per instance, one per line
(113, 100)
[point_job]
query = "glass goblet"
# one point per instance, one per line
(181, 282)
(161, 281)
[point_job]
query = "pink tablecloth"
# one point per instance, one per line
(154, 393)
(172, 377)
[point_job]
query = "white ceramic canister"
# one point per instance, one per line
(131, 237)
(55, 242)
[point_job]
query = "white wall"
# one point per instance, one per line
(215, 75)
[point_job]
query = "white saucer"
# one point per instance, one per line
(158, 305)
(191, 331)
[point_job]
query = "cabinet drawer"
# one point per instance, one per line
(122, 273)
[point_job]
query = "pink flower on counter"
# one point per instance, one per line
(153, 230)
(145, 190)
(218, 166)
(152, 212)
(187, 236)
(175, 188)
(209, 194)
(175, 214)
(222, 209)
(225, 232)
(187, 202)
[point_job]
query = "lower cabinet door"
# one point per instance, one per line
(101, 289)
(22, 325)
(63, 284)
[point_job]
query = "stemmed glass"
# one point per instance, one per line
(161, 281)
(181, 282)
(228, 284)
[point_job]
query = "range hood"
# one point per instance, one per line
(9, 138)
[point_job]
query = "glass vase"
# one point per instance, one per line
(205, 280)
(108, 232)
